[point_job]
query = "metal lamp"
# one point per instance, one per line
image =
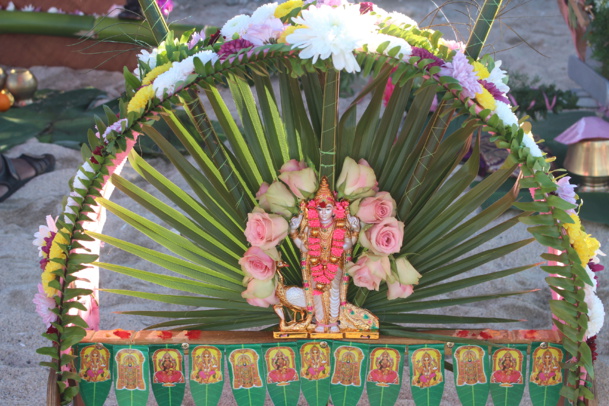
(588, 153)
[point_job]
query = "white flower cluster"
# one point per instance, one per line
(168, 82)
(596, 310)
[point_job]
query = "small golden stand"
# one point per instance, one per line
(351, 335)
(362, 335)
(289, 334)
(326, 336)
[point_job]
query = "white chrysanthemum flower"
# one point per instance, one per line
(263, 13)
(505, 113)
(44, 232)
(149, 58)
(530, 143)
(29, 8)
(334, 32)
(377, 39)
(496, 77)
(400, 19)
(596, 313)
(236, 25)
(55, 10)
(10, 6)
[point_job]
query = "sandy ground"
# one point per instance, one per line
(23, 381)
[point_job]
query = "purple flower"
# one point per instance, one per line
(595, 267)
(232, 47)
(166, 6)
(195, 39)
(44, 306)
(494, 91)
(365, 7)
(566, 191)
(463, 71)
(425, 54)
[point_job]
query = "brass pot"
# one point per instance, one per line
(2, 78)
(22, 84)
(590, 160)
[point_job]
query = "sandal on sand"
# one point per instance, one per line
(10, 178)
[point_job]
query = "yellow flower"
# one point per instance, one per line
(289, 30)
(486, 100)
(480, 70)
(140, 99)
(584, 244)
(284, 9)
(56, 252)
(150, 76)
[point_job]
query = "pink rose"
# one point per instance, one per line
(356, 180)
(259, 264)
(302, 183)
(260, 293)
(280, 199)
(260, 196)
(385, 237)
(406, 273)
(374, 209)
(293, 165)
(397, 290)
(369, 271)
(265, 230)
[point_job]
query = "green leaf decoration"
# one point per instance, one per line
(167, 374)
(316, 367)
(206, 374)
(94, 368)
(508, 372)
(384, 377)
(349, 371)
(427, 375)
(246, 371)
(471, 371)
(546, 378)
(131, 374)
(282, 364)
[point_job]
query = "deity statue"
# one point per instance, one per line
(325, 234)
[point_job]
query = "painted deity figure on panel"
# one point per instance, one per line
(167, 364)
(506, 367)
(546, 366)
(384, 364)
(426, 371)
(245, 369)
(315, 361)
(470, 364)
(130, 364)
(206, 364)
(348, 366)
(94, 365)
(280, 364)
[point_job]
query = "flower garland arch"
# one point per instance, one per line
(292, 37)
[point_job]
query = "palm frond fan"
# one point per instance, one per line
(280, 71)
